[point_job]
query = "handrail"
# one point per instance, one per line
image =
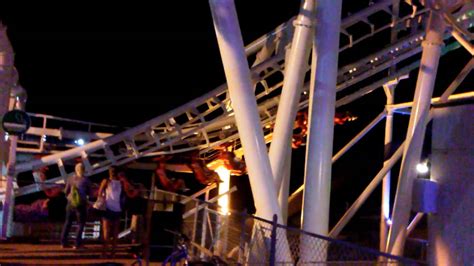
(45, 116)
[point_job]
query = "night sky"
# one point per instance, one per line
(123, 64)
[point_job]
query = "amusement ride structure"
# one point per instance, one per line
(257, 109)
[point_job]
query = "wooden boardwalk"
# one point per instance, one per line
(53, 254)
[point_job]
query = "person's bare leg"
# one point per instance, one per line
(105, 235)
(115, 231)
(133, 228)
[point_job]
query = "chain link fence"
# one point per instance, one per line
(243, 239)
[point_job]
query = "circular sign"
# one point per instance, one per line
(16, 122)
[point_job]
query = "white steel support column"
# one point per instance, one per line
(317, 179)
(415, 134)
(237, 73)
(231, 47)
(6, 82)
(385, 204)
(285, 188)
(7, 217)
(295, 70)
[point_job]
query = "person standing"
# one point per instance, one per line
(113, 190)
(78, 188)
(135, 205)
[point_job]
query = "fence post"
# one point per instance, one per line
(273, 240)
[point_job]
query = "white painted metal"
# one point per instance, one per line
(244, 104)
(466, 44)
(414, 222)
(359, 136)
(9, 202)
(295, 70)
(197, 128)
(284, 192)
(457, 81)
(366, 193)
(6, 82)
(317, 179)
(435, 100)
(245, 107)
(414, 142)
(389, 89)
(164, 140)
(385, 203)
(296, 195)
(452, 98)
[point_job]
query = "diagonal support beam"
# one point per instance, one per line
(458, 80)
(415, 134)
(290, 97)
(231, 47)
(322, 106)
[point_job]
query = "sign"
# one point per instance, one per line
(16, 122)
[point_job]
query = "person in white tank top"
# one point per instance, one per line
(112, 195)
(112, 189)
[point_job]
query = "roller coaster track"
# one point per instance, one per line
(208, 121)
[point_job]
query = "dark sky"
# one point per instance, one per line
(124, 63)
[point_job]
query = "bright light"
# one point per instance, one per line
(389, 221)
(6, 136)
(223, 201)
(422, 168)
(79, 142)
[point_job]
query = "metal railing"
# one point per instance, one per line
(239, 238)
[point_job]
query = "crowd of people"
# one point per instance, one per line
(116, 193)
(112, 197)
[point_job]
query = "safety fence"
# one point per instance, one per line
(240, 238)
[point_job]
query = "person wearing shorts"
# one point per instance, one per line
(113, 189)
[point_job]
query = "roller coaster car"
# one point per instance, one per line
(40, 177)
(203, 174)
(232, 162)
(169, 184)
(300, 128)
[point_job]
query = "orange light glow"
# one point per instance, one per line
(223, 201)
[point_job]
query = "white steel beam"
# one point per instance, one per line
(385, 203)
(435, 100)
(6, 82)
(285, 188)
(414, 222)
(366, 193)
(415, 134)
(244, 104)
(317, 179)
(458, 80)
(237, 73)
(9, 203)
(295, 70)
